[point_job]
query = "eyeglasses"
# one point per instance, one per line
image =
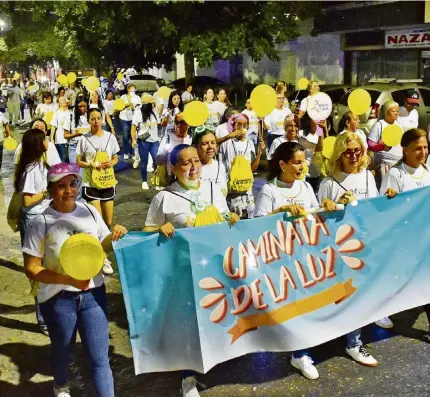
(353, 152)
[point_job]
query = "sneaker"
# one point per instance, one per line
(189, 387)
(305, 364)
(362, 356)
(126, 156)
(145, 186)
(385, 323)
(44, 329)
(63, 391)
(136, 163)
(107, 267)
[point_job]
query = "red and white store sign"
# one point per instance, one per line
(407, 38)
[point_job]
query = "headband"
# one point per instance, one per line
(232, 120)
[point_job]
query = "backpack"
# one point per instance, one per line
(241, 176)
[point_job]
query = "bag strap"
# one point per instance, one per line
(91, 212)
(107, 143)
(217, 174)
(179, 195)
(212, 193)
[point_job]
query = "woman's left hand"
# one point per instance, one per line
(106, 164)
(329, 205)
(118, 231)
(233, 219)
(261, 146)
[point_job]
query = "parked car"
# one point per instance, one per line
(379, 94)
(146, 83)
(202, 83)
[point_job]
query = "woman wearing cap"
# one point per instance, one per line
(291, 128)
(92, 143)
(385, 157)
(51, 156)
(179, 204)
(408, 174)
(170, 141)
(312, 89)
(69, 305)
(144, 133)
(126, 116)
(212, 169)
(350, 123)
(408, 115)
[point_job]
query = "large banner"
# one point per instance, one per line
(213, 293)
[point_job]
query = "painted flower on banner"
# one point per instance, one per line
(244, 296)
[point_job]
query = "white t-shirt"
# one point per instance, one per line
(167, 144)
(46, 238)
(168, 207)
(221, 131)
(187, 97)
(232, 148)
(304, 104)
(62, 122)
(34, 181)
(83, 125)
(52, 156)
(222, 107)
(127, 113)
(253, 122)
(408, 120)
(309, 142)
(170, 115)
(360, 134)
(108, 105)
(276, 143)
(395, 154)
(90, 144)
(214, 115)
(46, 112)
(214, 172)
(150, 125)
(361, 185)
(276, 194)
(402, 178)
(276, 120)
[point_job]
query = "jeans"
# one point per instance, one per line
(61, 149)
(146, 148)
(126, 136)
(86, 312)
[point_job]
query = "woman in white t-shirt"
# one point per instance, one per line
(286, 192)
(179, 204)
(274, 122)
(144, 134)
(132, 101)
(79, 126)
(60, 125)
(408, 174)
(214, 109)
(385, 157)
(96, 102)
(292, 131)
(174, 107)
(252, 132)
(222, 102)
(68, 304)
(46, 109)
(312, 89)
(350, 123)
(108, 105)
(212, 169)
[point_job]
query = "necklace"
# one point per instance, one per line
(412, 175)
(283, 195)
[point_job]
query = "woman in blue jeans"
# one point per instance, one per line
(69, 305)
(144, 132)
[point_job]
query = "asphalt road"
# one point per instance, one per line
(24, 352)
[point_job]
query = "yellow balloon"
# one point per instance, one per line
(328, 146)
(16, 76)
(10, 143)
(82, 256)
(119, 104)
(196, 113)
(120, 76)
(359, 101)
(93, 83)
(71, 77)
(392, 135)
(263, 100)
(84, 82)
(302, 84)
(164, 92)
(48, 117)
(62, 79)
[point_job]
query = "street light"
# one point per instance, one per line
(2, 25)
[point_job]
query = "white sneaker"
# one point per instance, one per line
(305, 364)
(145, 186)
(107, 267)
(136, 163)
(189, 388)
(385, 323)
(126, 156)
(362, 356)
(62, 391)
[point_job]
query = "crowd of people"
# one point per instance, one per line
(200, 175)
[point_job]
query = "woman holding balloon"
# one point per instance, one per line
(312, 89)
(274, 122)
(77, 302)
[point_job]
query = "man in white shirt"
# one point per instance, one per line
(408, 115)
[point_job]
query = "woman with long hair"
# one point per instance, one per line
(108, 105)
(96, 102)
(312, 89)
(174, 107)
(46, 109)
(144, 134)
(132, 101)
(222, 102)
(214, 110)
(79, 124)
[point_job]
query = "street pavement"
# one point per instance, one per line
(24, 352)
